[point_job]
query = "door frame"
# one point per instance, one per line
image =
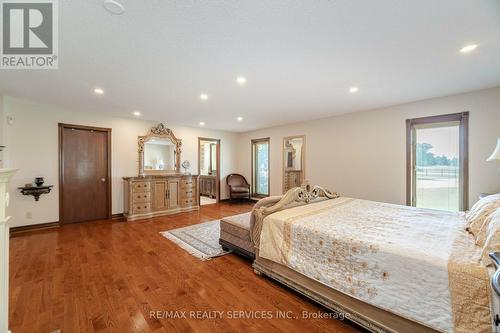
(463, 118)
(217, 175)
(252, 167)
(61, 127)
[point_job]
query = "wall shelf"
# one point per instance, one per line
(36, 191)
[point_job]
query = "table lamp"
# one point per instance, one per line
(495, 156)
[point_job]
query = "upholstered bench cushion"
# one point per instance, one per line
(235, 234)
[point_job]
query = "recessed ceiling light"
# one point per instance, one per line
(98, 91)
(202, 123)
(468, 48)
(241, 80)
(203, 97)
(239, 118)
(353, 90)
(114, 7)
(136, 113)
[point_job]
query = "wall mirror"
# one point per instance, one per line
(159, 152)
(208, 158)
(293, 161)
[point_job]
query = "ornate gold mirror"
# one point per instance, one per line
(293, 161)
(159, 152)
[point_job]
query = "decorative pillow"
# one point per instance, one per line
(479, 212)
(492, 241)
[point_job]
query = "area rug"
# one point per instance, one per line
(200, 240)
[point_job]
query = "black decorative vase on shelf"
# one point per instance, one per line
(39, 181)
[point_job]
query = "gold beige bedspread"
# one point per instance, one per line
(417, 263)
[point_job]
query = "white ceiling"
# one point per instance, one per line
(299, 57)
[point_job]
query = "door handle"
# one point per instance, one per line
(103, 180)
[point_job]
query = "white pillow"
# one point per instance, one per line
(477, 215)
(492, 241)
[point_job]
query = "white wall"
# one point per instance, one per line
(359, 154)
(32, 146)
(363, 154)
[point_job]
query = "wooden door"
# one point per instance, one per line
(84, 173)
(160, 195)
(173, 193)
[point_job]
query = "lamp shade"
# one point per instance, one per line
(496, 153)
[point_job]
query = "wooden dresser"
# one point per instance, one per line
(208, 186)
(292, 178)
(157, 195)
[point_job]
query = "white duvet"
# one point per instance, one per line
(394, 257)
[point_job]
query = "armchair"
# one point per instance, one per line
(238, 186)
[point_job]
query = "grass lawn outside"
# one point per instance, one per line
(438, 192)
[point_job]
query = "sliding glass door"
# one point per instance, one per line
(437, 162)
(260, 167)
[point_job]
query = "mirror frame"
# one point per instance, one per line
(159, 131)
(302, 158)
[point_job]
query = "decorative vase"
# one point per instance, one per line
(39, 181)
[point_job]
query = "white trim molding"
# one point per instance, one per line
(5, 176)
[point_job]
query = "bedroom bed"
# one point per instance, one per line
(389, 268)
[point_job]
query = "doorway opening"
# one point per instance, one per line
(209, 170)
(260, 167)
(437, 162)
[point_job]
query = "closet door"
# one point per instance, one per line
(173, 193)
(84, 173)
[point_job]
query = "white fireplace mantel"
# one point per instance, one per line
(5, 176)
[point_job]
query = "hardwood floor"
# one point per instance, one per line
(107, 276)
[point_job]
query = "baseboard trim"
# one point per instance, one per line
(118, 216)
(33, 227)
(239, 199)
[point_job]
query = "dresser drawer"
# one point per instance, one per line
(188, 201)
(187, 192)
(141, 197)
(144, 207)
(142, 186)
(188, 183)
